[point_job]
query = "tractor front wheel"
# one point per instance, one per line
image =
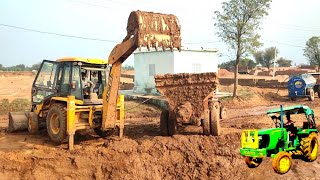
(57, 123)
(253, 162)
(309, 147)
(282, 162)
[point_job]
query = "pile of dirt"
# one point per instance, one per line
(179, 157)
(224, 72)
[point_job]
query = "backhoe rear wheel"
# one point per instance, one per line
(57, 123)
(282, 162)
(253, 162)
(309, 147)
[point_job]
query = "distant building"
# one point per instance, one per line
(149, 63)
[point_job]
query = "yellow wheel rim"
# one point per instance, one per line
(314, 152)
(284, 164)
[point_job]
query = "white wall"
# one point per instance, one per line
(163, 62)
(189, 61)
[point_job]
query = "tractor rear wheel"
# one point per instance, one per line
(215, 120)
(33, 124)
(282, 162)
(311, 94)
(223, 112)
(206, 123)
(168, 126)
(57, 123)
(253, 162)
(164, 123)
(309, 147)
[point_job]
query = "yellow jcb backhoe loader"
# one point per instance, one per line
(77, 93)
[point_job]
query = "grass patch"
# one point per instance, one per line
(20, 104)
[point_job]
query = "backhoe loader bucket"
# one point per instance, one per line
(154, 30)
(18, 121)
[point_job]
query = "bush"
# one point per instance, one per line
(14, 106)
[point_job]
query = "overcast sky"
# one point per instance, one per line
(289, 25)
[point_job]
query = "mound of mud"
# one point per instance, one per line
(179, 157)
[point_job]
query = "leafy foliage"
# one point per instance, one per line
(282, 62)
(312, 51)
(246, 62)
(237, 24)
(20, 67)
(14, 106)
(266, 57)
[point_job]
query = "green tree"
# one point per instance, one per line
(312, 51)
(282, 62)
(266, 57)
(247, 62)
(1, 67)
(229, 65)
(237, 25)
(35, 67)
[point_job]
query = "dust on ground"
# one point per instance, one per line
(144, 154)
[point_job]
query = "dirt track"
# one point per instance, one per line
(144, 154)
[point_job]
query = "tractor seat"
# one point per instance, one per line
(93, 99)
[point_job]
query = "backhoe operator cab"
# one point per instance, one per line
(83, 78)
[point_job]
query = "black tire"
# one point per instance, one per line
(311, 95)
(206, 123)
(293, 98)
(164, 123)
(57, 123)
(253, 162)
(309, 147)
(103, 134)
(318, 92)
(172, 125)
(278, 165)
(33, 123)
(223, 112)
(215, 120)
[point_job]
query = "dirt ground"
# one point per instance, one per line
(143, 153)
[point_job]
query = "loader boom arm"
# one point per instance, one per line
(117, 56)
(145, 29)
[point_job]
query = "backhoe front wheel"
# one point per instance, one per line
(33, 124)
(282, 162)
(309, 147)
(253, 162)
(57, 123)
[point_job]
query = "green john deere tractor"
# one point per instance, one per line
(282, 142)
